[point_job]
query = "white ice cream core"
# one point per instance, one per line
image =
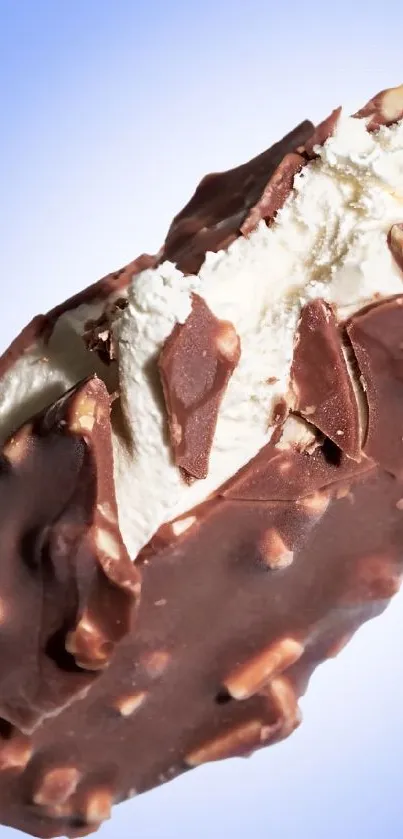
(329, 240)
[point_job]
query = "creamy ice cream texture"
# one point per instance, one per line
(329, 240)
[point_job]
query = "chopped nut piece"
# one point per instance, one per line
(127, 705)
(98, 806)
(273, 551)
(107, 544)
(237, 742)
(57, 785)
(155, 662)
(247, 680)
(107, 513)
(15, 752)
(88, 645)
(315, 504)
(182, 525)
(17, 447)
(283, 694)
(228, 342)
(83, 414)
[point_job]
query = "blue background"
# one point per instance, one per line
(110, 112)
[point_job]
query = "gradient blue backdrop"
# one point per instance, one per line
(110, 112)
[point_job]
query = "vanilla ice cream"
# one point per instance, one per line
(329, 240)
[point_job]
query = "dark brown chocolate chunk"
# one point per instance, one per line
(322, 133)
(213, 218)
(377, 338)
(385, 108)
(320, 381)
(67, 585)
(224, 646)
(395, 242)
(275, 193)
(195, 365)
(98, 335)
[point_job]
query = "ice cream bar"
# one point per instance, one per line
(201, 478)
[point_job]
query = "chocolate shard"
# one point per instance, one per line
(214, 216)
(195, 365)
(224, 647)
(320, 380)
(67, 586)
(322, 133)
(376, 336)
(383, 109)
(275, 193)
(395, 242)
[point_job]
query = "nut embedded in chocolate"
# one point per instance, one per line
(56, 786)
(195, 365)
(238, 742)
(15, 749)
(274, 551)
(262, 668)
(58, 579)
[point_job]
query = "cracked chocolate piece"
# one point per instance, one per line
(320, 381)
(275, 193)
(242, 644)
(66, 581)
(376, 336)
(321, 133)
(383, 109)
(195, 365)
(223, 202)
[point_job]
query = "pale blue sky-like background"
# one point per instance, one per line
(110, 112)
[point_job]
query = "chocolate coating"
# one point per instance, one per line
(241, 598)
(67, 585)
